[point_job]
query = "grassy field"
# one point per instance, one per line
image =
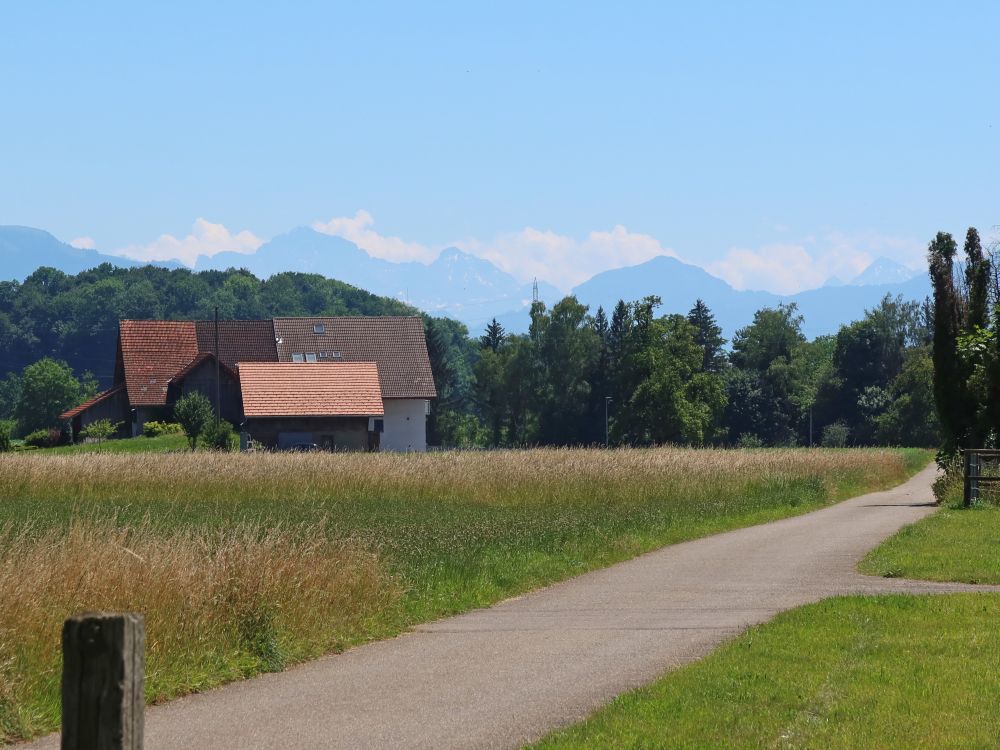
(248, 563)
(851, 672)
(160, 444)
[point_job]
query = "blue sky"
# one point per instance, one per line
(775, 144)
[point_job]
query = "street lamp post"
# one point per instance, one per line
(607, 441)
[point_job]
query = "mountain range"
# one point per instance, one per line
(472, 290)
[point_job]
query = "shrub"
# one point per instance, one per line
(749, 440)
(6, 428)
(6, 435)
(155, 429)
(835, 435)
(219, 435)
(45, 438)
(100, 430)
(194, 413)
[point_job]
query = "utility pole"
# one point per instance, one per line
(607, 441)
(218, 372)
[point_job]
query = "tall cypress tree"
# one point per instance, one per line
(977, 277)
(949, 378)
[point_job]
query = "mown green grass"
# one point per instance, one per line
(954, 544)
(453, 531)
(160, 444)
(849, 672)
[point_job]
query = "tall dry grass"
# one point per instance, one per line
(243, 563)
(503, 477)
(219, 605)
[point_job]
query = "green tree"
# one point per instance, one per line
(911, 419)
(950, 394)
(670, 398)
(494, 337)
(708, 335)
(48, 388)
(100, 430)
(194, 413)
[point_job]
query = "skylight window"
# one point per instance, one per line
(310, 356)
(319, 328)
(297, 357)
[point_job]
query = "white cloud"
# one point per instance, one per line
(788, 268)
(83, 243)
(358, 229)
(565, 261)
(206, 238)
(529, 253)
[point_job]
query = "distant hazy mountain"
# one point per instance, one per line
(884, 271)
(473, 290)
(23, 250)
(679, 284)
(456, 284)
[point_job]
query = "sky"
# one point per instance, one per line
(774, 144)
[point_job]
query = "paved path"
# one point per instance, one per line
(500, 677)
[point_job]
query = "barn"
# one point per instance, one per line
(347, 383)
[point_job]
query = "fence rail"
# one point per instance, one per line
(978, 461)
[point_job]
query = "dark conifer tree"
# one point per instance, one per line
(977, 277)
(708, 336)
(949, 378)
(494, 336)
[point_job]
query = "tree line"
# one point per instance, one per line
(644, 378)
(657, 377)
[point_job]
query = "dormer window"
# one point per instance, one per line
(319, 328)
(297, 357)
(310, 356)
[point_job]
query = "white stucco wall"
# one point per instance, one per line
(405, 425)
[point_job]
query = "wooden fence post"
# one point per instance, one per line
(102, 686)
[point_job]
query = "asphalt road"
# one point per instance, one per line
(503, 676)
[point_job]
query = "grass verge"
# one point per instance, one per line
(849, 672)
(954, 544)
(443, 533)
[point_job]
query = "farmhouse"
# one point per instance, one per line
(358, 383)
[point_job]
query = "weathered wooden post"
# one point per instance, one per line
(102, 686)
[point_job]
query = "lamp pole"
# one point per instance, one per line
(607, 441)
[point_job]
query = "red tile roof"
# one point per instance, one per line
(75, 412)
(334, 389)
(239, 340)
(153, 351)
(396, 344)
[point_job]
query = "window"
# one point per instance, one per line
(378, 425)
(297, 357)
(319, 328)
(310, 356)
(336, 355)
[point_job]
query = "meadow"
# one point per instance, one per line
(245, 563)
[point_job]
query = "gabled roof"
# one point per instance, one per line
(396, 344)
(335, 389)
(75, 412)
(201, 358)
(153, 351)
(239, 340)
